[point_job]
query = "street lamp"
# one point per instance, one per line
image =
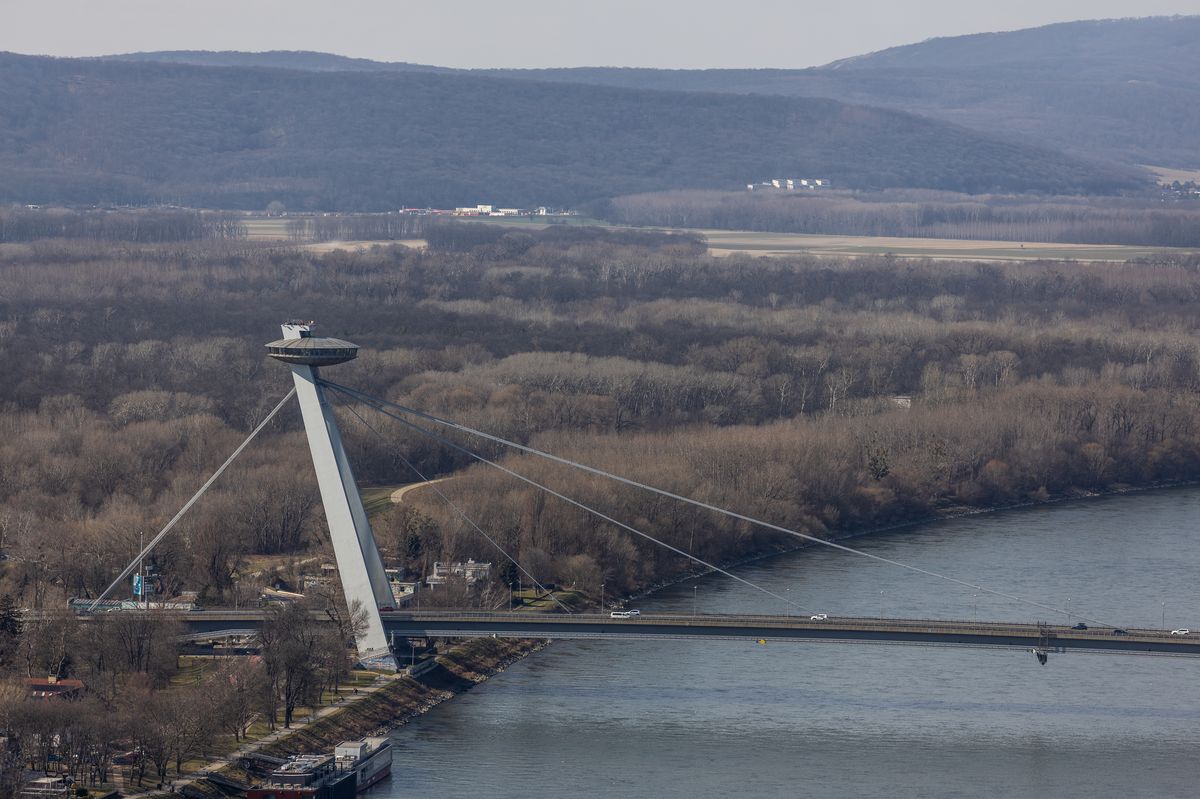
(1164, 615)
(601, 597)
(141, 580)
(975, 608)
(695, 588)
(881, 603)
(1068, 610)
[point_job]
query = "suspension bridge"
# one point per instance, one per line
(366, 587)
(1045, 638)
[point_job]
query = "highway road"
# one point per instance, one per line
(1051, 638)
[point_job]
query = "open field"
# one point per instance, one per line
(1168, 174)
(379, 498)
(330, 246)
(275, 228)
(266, 228)
(728, 242)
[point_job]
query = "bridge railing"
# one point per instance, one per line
(1030, 629)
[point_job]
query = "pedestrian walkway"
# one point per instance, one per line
(362, 692)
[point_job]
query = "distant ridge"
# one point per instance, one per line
(1103, 41)
(274, 59)
(1126, 89)
(97, 131)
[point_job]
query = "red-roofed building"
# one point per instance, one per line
(53, 688)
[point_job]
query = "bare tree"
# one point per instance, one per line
(290, 636)
(234, 690)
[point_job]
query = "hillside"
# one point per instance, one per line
(1166, 45)
(1122, 89)
(85, 131)
(1125, 89)
(276, 59)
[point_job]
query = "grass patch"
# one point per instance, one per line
(378, 499)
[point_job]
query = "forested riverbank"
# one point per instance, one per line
(828, 396)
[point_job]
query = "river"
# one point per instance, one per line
(698, 719)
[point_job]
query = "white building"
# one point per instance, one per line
(470, 571)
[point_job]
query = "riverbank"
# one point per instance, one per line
(458, 669)
(675, 718)
(462, 666)
(400, 700)
(948, 513)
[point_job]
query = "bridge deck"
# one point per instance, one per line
(771, 628)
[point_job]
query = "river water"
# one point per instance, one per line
(698, 719)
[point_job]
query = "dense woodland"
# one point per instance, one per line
(827, 395)
(141, 717)
(147, 225)
(134, 369)
(1159, 221)
(80, 131)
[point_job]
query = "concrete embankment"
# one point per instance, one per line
(459, 668)
(404, 697)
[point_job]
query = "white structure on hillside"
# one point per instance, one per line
(790, 184)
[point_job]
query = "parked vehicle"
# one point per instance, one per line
(126, 758)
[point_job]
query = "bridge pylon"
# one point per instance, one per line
(364, 581)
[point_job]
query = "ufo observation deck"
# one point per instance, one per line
(312, 351)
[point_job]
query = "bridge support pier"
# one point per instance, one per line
(360, 568)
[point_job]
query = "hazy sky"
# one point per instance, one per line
(533, 33)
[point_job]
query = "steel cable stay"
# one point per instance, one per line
(598, 514)
(462, 514)
(187, 506)
(381, 403)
